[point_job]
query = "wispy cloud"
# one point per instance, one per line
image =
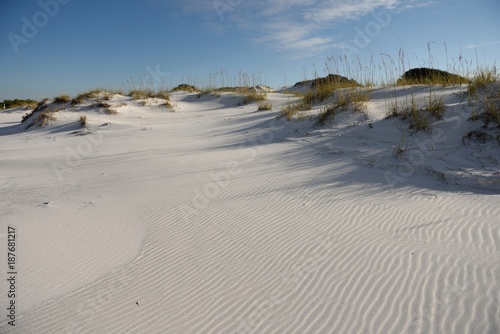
(299, 27)
(482, 45)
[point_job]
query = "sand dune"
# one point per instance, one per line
(219, 218)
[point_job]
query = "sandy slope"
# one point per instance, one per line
(222, 219)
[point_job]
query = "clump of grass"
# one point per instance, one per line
(435, 106)
(265, 106)
(162, 94)
(359, 99)
(356, 98)
(418, 121)
(168, 105)
(481, 80)
(342, 101)
(140, 94)
(83, 121)
(87, 95)
(393, 109)
(484, 91)
(44, 118)
(488, 110)
(292, 109)
(253, 96)
(492, 111)
(417, 118)
(62, 99)
(320, 94)
(105, 94)
(108, 110)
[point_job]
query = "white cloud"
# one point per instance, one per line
(297, 26)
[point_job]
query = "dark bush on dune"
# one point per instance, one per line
(330, 80)
(425, 75)
(186, 88)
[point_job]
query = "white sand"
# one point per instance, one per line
(223, 219)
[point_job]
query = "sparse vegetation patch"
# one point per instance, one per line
(292, 109)
(62, 99)
(265, 106)
(253, 96)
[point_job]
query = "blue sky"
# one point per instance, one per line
(76, 45)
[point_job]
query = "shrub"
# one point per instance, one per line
(187, 88)
(62, 99)
(83, 120)
(18, 103)
(430, 76)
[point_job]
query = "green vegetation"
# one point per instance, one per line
(18, 103)
(187, 88)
